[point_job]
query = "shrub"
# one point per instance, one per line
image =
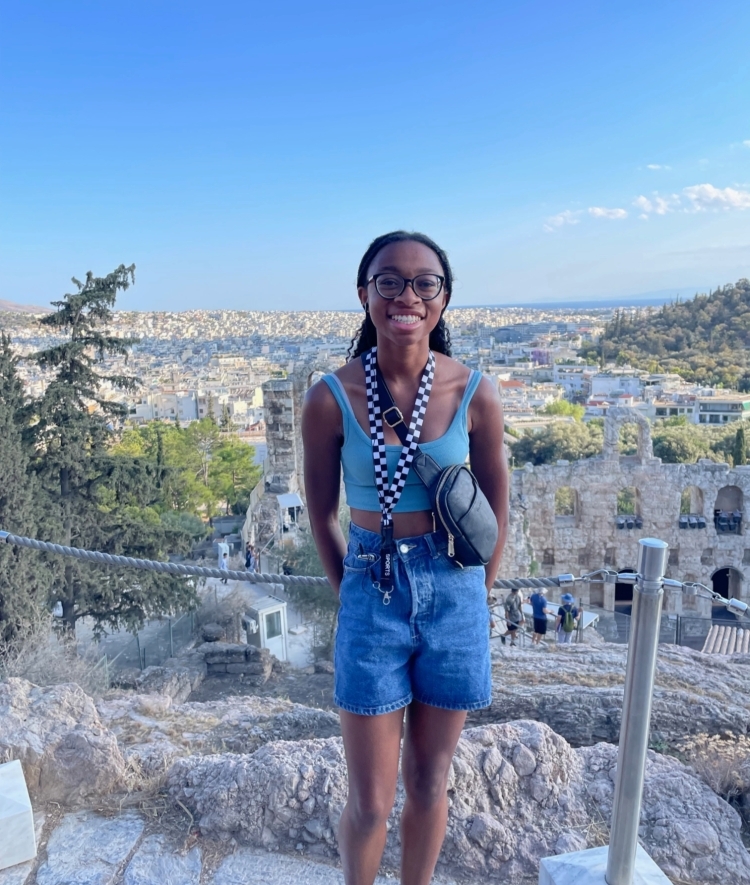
(43, 656)
(722, 762)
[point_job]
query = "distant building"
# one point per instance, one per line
(722, 408)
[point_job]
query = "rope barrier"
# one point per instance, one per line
(175, 568)
(181, 570)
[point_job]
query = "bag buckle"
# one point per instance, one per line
(399, 417)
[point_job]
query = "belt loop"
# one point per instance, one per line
(434, 552)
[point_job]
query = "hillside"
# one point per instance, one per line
(12, 307)
(706, 339)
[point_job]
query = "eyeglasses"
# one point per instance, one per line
(390, 285)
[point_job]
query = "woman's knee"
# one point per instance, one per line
(425, 785)
(368, 812)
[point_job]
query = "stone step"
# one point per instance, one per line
(89, 849)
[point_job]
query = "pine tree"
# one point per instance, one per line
(98, 500)
(24, 574)
(739, 451)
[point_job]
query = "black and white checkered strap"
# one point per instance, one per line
(388, 497)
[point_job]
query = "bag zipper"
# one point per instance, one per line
(451, 539)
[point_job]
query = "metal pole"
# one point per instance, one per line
(636, 711)
(171, 640)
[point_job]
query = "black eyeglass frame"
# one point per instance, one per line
(374, 279)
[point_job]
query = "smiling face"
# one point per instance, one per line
(405, 320)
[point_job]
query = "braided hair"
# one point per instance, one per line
(367, 336)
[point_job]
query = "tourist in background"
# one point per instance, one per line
(538, 605)
(250, 561)
(224, 566)
(412, 653)
(567, 620)
(514, 618)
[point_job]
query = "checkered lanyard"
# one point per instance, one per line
(389, 497)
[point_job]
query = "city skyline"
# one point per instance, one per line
(244, 157)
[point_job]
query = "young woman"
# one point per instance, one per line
(414, 657)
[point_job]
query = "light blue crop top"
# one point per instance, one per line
(356, 453)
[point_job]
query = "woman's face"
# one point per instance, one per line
(405, 319)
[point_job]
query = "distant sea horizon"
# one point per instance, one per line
(643, 299)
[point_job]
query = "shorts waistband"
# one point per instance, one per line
(431, 544)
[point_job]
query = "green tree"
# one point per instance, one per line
(204, 436)
(226, 424)
(94, 498)
(25, 576)
(232, 472)
(563, 407)
(739, 453)
(559, 441)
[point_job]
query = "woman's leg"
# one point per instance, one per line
(429, 742)
(372, 745)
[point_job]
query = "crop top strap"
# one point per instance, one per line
(337, 389)
(469, 391)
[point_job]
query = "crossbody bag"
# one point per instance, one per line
(458, 504)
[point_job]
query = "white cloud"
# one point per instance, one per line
(601, 212)
(655, 166)
(706, 196)
(656, 205)
(746, 142)
(555, 222)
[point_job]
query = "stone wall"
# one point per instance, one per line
(591, 538)
(253, 664)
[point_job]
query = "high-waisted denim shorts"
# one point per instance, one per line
(430, 642)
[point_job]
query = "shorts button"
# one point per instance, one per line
(404, 548)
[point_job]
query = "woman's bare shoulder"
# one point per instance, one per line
(450, 371)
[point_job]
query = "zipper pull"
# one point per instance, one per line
(451, 546)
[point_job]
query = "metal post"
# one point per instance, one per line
(138, 646)
(636, 711)
(171, 640)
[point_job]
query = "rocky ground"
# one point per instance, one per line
(214, 781)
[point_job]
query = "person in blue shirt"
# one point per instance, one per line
(539, 606)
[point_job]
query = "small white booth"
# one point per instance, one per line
(266, 625)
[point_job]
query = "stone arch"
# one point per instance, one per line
(623, 590)
(617, 416)
(567, 506)
(727, 581)
(629, 501)
(728, 510)
(691, 501)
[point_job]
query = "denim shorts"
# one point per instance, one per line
(430, 642)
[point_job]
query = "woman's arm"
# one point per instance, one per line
(488, 464)
(322, 438)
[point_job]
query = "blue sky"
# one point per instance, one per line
(243, 154)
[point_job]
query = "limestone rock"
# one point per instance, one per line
(155, 731)
(505, 812)
(577, 690)
(213, 633)
(175, 684)
(88, 849)
(157, 863)
(66, 752)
